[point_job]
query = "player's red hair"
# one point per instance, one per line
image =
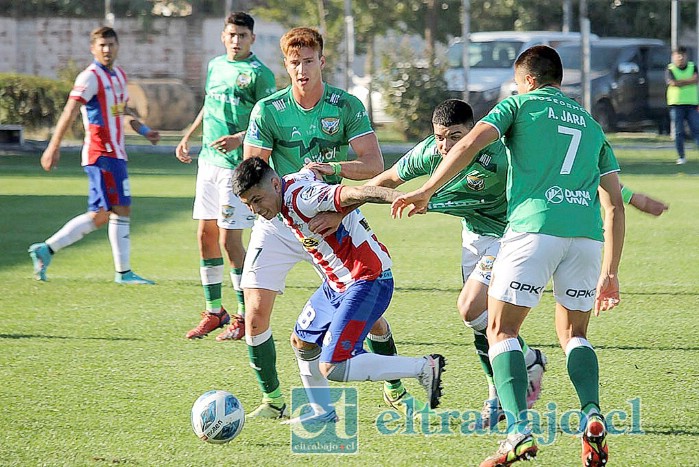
(297, 38)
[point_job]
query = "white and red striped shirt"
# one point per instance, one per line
(103, 95)
(353, 252)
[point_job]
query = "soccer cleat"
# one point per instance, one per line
(235, 331)
(208, 323)
(130, 277)
(491, 414)
(404, 402)
(535, 372)
(595, 452)
(41, 258)
(681, 161)
(431, 378)
(270, 411)
(311, 418)
(516, 447)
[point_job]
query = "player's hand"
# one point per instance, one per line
(415, 200)
(153, 136)
(182, 152)
(648, 205)
(227, 143)
(321, 167)
(50, 158)
(325, 223)
(607, 293)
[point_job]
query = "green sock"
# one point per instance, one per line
(263, 359)
(211, 271)
(511, 380)
(384, 345)
(583, 370)
(236, 276)
(525, 347)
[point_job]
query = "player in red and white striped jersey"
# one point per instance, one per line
(329, 334)
(100, 94)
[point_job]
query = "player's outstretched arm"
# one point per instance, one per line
(614, 230)
(456, 160)
(182, 150)
(388, 178)
(52, 153)
(643, 202)
(352, 195)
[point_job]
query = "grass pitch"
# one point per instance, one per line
(93, 373)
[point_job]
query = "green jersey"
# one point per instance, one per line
(476, 194)
(232, 89)
(298, 136)
(556, 154)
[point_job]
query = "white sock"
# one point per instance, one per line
(119, 228)
(71, 232)
(317, 387)
(529, 357)
(373, 367)
(235, 280)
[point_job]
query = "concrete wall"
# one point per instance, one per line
(176, 48)
(166, 65)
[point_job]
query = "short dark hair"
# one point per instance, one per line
(453, 112)
(103, 32)
(240, 18)
(541, 62)
(681, 50)
(249, 174)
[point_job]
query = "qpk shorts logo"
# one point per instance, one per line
(340, 437)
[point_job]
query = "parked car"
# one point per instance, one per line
(491, 56)
(627, 81)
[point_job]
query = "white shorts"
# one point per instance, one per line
(527, 261)
(214, 199)
(272, 251)
(478, 252)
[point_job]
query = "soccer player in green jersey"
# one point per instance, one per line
(235, 82)
(561, 169)
(477, 196)
(308, 122)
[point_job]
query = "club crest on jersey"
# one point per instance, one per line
(330, 125)
(486, 263)
(475, 182)
(310, 243)
(244, 79)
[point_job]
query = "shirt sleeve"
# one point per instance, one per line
(356, 118)
(259, 132)
(607, 160)
(502, 116)
(415, 163)
(84, 88)
(316, 197)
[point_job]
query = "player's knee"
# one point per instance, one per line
(469, 309)
(334, 371)
(100, 217)
(380, 327)
(298, 343)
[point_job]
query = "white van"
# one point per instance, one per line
(491, 56)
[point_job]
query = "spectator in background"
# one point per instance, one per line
(683, 98)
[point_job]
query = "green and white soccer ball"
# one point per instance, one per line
(217, 417)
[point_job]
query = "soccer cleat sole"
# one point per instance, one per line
(437, 389)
